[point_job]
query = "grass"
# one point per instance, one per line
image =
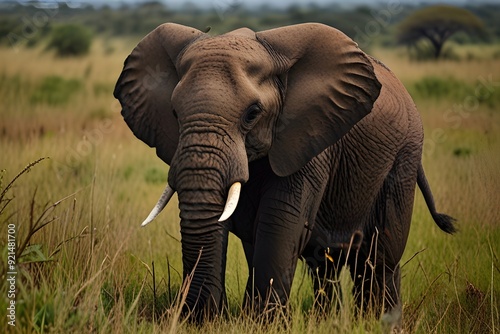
(91, 268)
(465, 70)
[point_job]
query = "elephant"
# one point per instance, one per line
(292, 139)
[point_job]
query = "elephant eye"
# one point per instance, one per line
(251, 115)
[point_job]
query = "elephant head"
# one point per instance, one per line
(210, 105)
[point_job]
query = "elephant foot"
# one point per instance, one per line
(392, 320)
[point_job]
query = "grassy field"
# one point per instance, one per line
(85, 265)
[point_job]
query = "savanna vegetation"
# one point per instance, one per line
(76, 184)
(436, 24)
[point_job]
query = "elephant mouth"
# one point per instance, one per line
(231, 203)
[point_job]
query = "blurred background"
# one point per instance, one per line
(83, 263)
(368, 22)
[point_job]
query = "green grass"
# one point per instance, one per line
(93, 269)
(471, 95)
(54, 90)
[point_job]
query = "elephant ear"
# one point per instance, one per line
(330, 86)
(145, 87)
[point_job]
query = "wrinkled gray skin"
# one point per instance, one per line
(326, 141)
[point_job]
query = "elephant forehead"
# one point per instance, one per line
(231, 50)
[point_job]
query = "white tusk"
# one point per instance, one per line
(232, 201)
(162, 202)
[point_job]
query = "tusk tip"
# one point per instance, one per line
(144, 223)
(232, 201)
(225, 215)
(162, 202)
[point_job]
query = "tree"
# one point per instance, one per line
(437, 24)
(70, 40)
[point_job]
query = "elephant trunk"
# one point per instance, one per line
(201, 176)
(204, 245)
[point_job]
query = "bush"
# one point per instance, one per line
(70, 40)
(438, 88)
(54, 90)
(460, 92)
(155, 176)
(425, 52)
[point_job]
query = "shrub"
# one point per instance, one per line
(425, 52)
(155, 176)
(433, 87)
(70, 40)
(54, 90)
(436, 87)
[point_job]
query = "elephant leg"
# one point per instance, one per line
(377, 288)
(393, 309)
(248, 298)
(274, 263)
(377, 291)
(328, 292)
(326, 287)
(326, 254)
(279, 238)
(388, 228)
(314, 255)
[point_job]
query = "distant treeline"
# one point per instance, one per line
(365, 24)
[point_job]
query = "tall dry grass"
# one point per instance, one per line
(93, 269)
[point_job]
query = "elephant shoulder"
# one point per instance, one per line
(394, 112)
(394, 99)
(375, 63)
(388, 79)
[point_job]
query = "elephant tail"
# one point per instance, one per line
(442, 220)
